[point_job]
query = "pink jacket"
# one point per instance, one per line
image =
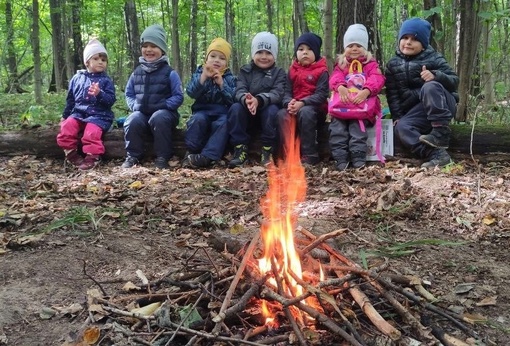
(374, 78)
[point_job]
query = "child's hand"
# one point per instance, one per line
(344, 94)
(218, 79)
(94, 89)
(294, 106)
(426, 75)
(252, 103)
(361, 96)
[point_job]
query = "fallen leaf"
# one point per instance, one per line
(136, 185)
(91, 335)
(146, 310)
(129, 286)
(488, 219)
(463, 288)
(487, 301)
(474, 318)
(142, 277)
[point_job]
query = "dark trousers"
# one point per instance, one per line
(241, 121)
(436, 105)
(207, 134)
(346, 137)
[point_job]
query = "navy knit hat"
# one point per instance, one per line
(419, 28)
(311, 40)
(155, 34)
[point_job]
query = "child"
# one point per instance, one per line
(213, 87)
(348, 138)
(88, 109)
(259, 93)
(421, 89)
(153, 94)
(306, 95)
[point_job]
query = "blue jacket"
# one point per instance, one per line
(93, 109)
(403, 80)
(210, 93)
(148, 92)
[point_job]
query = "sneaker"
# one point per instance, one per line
(74, 158)
(438, 158)
(439, 137)
(161, 163)
(266, 156)
(90, 161)
(341, 165)
(240, 156)
(199, 161)
(130, 162)
(358, 163)
(309, 160)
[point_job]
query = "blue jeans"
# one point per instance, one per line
(436, 105)
(160, 125)
(207, 132)
(240, 120)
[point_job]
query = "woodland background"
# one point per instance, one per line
(42, 42)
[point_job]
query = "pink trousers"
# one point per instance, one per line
(70, 130)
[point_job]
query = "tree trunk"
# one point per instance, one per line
(77, 57)
(57, 40)
(13, 85)
(194, 38)
(36, 49)
(230, 30)
(269, 10)
(358, 11)
(437, 26)
(329, 53)
(488, 142)
(488, 82)
(176, 53)
(133, 34)
(470, 30)
(301, 19)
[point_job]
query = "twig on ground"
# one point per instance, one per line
(321, 239)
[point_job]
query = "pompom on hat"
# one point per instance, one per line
(419, 28)
(221, 45)
(311, 40)
(264, 41)
(155, 34)
(356, 33)
(92, 48)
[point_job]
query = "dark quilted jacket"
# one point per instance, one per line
(403, 81)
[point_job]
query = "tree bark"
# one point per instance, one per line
(59, 77)
(176, 53)
(36, 49)
(488, 142)
(132, 32)
(329, 53)
(13, 85)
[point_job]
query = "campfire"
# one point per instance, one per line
(286, 287)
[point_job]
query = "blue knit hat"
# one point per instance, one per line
(419, 28)
(311, 40)
(155, 34)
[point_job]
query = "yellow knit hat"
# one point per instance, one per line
(221, 45)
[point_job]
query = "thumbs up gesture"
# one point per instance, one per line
(426, 75)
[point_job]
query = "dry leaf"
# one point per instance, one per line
(146, 310)
(487, 301)
(91, 335)
(488, 219)
(142, 277)
(136, 185)
(474, 318)
(129, 286)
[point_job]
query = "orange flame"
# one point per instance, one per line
(287, 188)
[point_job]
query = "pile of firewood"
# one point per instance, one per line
(218, 302)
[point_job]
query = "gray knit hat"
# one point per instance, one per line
(356, 33)
(264, 41)
(155, 34)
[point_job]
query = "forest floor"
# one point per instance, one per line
(63, 232)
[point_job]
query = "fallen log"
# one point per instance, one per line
(489, 143)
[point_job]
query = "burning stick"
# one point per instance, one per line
(321, 239)
(226, 302)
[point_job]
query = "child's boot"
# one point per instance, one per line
(90, 161)
(439, 137)
(266, 156)
(358, 159)
(73, 157)
(438, 158)
(342, 162)
(240, 156)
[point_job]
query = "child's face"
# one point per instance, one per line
(97, 63)
(263, 59)
(354, 51)
(216, 60)
(151, 52)
(305, 55)
(409, 45)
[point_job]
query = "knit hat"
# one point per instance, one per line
(155, 34)
(264, 41)
(418, 27)
(221, 45)
(92, 48)
(356, 33)
(311, 40)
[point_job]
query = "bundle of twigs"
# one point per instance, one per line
(217, 302)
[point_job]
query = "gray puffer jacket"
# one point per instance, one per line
(403, 81)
